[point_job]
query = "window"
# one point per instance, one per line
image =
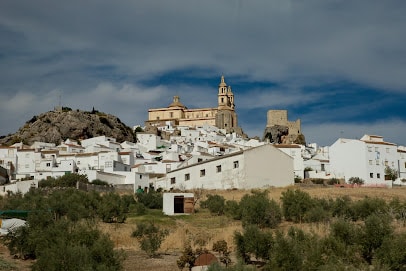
(378, 175)
(157, 118)
(27, 166)
(218, 168)
(48, 164)
(173, 180)
(370, 162)
(371, 175)
(369, 148)
(108, 164)
(387, 150)
(140, 177)
(377, 162)
(386, 162)
(202, 172)
(187, 176)
(199, 160)
(376, 148)
(171, 114)
(235, 164)
(1, 162)
(78, 162)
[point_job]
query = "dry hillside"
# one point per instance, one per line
(202, 228)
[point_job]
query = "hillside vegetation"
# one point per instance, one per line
(274, 229)
(55, 126)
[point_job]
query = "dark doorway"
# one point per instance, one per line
(178, 205)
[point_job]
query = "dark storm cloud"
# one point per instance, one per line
(105, 51)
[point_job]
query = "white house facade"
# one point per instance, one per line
(365, 158)
(263, 166)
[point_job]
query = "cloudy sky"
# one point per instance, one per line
(339, 66)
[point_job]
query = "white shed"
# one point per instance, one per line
(178, 203)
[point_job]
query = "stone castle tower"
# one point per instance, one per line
(282, 131)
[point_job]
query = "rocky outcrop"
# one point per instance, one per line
(279, 134)
(55, 126)
(275, 134)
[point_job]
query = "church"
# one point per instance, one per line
(223, 116)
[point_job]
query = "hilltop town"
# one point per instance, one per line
(183, 149)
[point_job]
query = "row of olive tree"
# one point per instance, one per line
(371, 244)
(298, 206)
(61, 232)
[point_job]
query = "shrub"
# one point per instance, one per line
(99, 182)
(150, 237)
(376, 229)
(215, 204)
(295, 204)
(356, 180)
(232, 209)
(152, 199)
(257, 209)
(221, 247)
(392, 252)
(367, 206)
(253, 242)
(112, 208)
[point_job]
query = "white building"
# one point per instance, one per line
(294, 151)
(365, 158)
(263, 166)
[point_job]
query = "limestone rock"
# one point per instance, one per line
(55, 126)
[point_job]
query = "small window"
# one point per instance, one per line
(369, 148)
(140, 176)
(157, 118)
(377, 162)
(371, 175)
(48, 164)
(370, 162)
(218, 168)
(387, 150)
(171, 114)
(187, 176)
(173, 180)
(236, 164)
(376, 148)
(386, 162)
(378, 175)
(199, 160)
(202, 172)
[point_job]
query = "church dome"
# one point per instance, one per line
(176, 102)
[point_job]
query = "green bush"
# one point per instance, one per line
(232, 209)
(215, 204)
(151, 200)
(356, 180)
(257, 209)
(367, 206)
(392, 252)
(113, 208)
(150, 237)
(67, 180)
(295, 204)
(99, 182)
(253, 242)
